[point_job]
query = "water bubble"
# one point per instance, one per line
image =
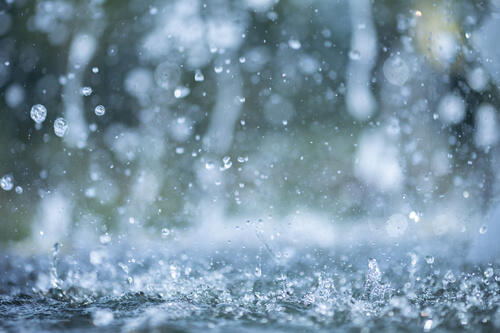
(100, 110)
(7, 182)
(198, 76)
(294, 44)
(19, 190)
(483, 229)
(102, 317)
(86, 91)
(38, 113)
(60, 127)
(488, 272)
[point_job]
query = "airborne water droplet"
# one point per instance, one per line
(86, 91)
(100, 110)
(60, 127)
(7, 182)
(483, 229)
(38, 113)
(198, 76)
(294, 44)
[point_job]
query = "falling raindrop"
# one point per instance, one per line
(38, 113)
(60, 127)
(100, 110)
(86, 91)
(198, 76)
(7, 182)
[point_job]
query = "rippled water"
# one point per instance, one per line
(238, 288)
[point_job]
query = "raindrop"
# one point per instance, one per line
(165, 232)
(60, 127)
(488, 272)
(38, 113)
(181, 92)
(429, 260)
(209, 165)
(7, 182)
(100, 110)
(294, 44)
(19, 190)
(198, 76)
(483, 229)
(86, 91)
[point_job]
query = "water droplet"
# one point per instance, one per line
(258, 272)
(198, 76)
(19, 190)
(488, 272)
(105, 239)
(429, 260)
(181, 92)
(483, 229)
(86, 91)
(165, 232)
(209, 165)
(414, 216)
(428, 325)
(38, 113)
(179, 150)
(95, 70)
(60, 127)
(449, 277)
(294, 44)
(7, 182)
(218, 69)
(100, 110)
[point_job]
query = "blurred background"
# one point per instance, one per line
(183, 114)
